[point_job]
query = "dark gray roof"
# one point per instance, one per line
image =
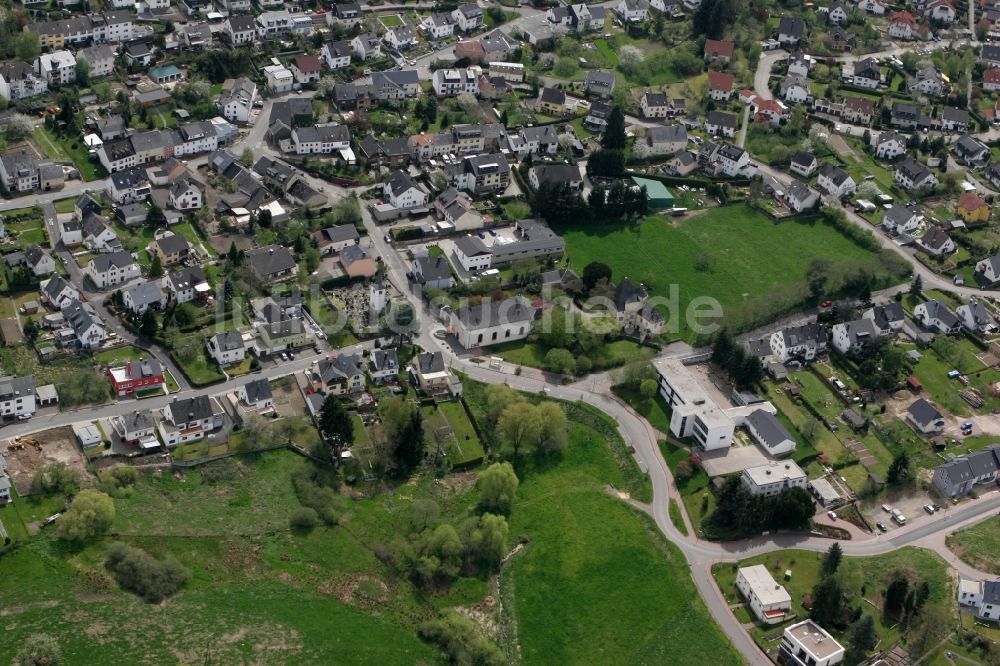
(399, 182)
(806, 334)
(429, 362)
(228, 341)
(102, 263)
(385, 359)
(172, 244)
(185, 410)
(834, 173)
(769, 428)
(270, 260)
(792, 25)
(923, 412)
(434, 268)
(494, 312)
(140, 419)
(803, 159)
(629, 292)
(144, 295)
(721, 118)
(938, 310)
(991, 592)
(257, 390)
(552, 96)
(557, 173)
(11, 386)
(341, 367)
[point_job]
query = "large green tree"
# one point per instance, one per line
(498, 487)
(336, 425)
(90, 514)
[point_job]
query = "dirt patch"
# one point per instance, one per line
(484, 614)
(288, 401)
(357, 590)
(861, 453)
(837, 143)
(10, 330)
(456, 484)
(222, 242)
(41, 449)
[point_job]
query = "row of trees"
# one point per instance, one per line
(742, 367)
(739, 510)
(523, 427)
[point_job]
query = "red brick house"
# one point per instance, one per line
(136, 376)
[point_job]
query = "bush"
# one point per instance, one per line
(90, 514)
(139, 572)
(461, 640)
(118, 482)
(36, 650)
(57, 478)
(322, 499)
(304, 518)
(219, 471)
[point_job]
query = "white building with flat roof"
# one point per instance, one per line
(808, 644)
(773, 478)
(768, 600)
(695, 413)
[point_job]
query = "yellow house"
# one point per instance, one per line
(972, 208)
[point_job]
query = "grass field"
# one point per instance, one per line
(719, 253)
(532, 354)
(676, 518)
(861, 578)
(979, 545)
(72, 150)
(201, 370)
(656, 411)
(593, 567)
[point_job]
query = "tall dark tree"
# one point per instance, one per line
(917, 286)
(714, 16)
(335, 425)
(147, 325)
(156, 267)
(614, 134)
(594, 272)
(831, 561)
(410, 447)
(828, 603)
(899, 470)
(895, 596)
(863, 637)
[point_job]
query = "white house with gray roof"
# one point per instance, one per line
(936, 316)
(958, 476)
(493, 321)
(982, 596)
(769, 433)
(925, 417)
(804, 342)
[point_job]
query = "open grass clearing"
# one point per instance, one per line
(715, 254)
(979, 545)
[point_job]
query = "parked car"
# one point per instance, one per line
(832, 515)
(928, 508)
(881, 527)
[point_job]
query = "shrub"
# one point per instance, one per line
(461, 640)
(139, 572)
(304, 518)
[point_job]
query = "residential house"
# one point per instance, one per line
(453, 82)
(332, 240)
(867, 74)
(925, 417)
(493, 321)
(18, 80)
(876, 7)
(988, 272)
(367, 46)
(468, 17)
(279, 79)
(975, 317)
(804, 164)
(19, 170)
(306, 68)
(972, 207)
(858, 110)
(336, 55)
(17, 397)
(383, 365)
(227, 348)
(914, 176)
(720, 122)
(991, 79)
(836, 181)
(186, 284)
(890, 145)
(85, 330)
(887, 319)
(791, 30)
(808, 644)
(632, 11)
(190, 419)
(341, 375)
(902, 219)
(57, 292)
(660, 141)
(958, 476)
(433, 272)
(38, 261)
(852, 337)
(902, 25)
(940, 11)
(798, 342)
(240, 29)
(430, 375)
(655, 105)
(437, 26)
(283, 334)
(136, 429)
(954, 120)
(560, 174)
(236, 104)
(596, 119)
(171, 248)
(599, 83)
(100, 59)
(58, 67)
(987, 597)
(971, 151)
(144, 296)
(357, 263)
(936, 242)
(720, 86)
(398, 84)
(837, 13)
(401, 37)
(552, 101)
(271, 263)
(794, 89)
(256, 395)
(716, 49)
(927, 80)
(636, 317)
(321, 139)
(769, 601)
(273, 24)
(936, 316)
(112, 269)
(136, 376)
(347, 14)
(401, 192)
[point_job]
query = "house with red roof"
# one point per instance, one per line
(306, 68)
(768, 110)
(902, 25)
(972, 207)
(991, 79)
(720, 86)
(716, 49)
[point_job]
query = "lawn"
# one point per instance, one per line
(65, 205)
(465, 448)
(72, 150)
(716, 254)
(592, 566)
(979, 545)
(656, 411)
(596, 582)
(676, 518)
(119, 356)
(532, 354)
(200, 370)
(605, 48)
(391, 21)
(861, 578)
